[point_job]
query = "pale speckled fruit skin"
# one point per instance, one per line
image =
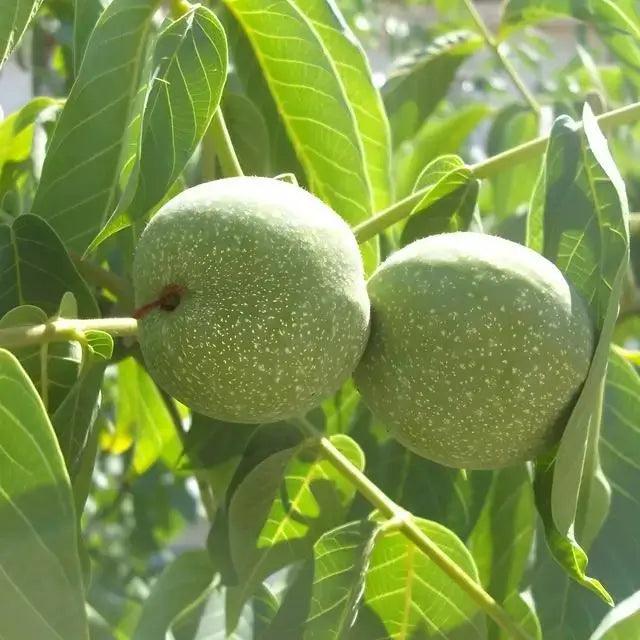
(478, 348)
(276, 312)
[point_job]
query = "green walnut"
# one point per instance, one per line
(252, 299)
(478, 350)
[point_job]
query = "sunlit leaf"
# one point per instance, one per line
(623, 623)
(85, 17)
(406, 100)
(40, 580)
(79, 184)
(411, 595)
(321, 83)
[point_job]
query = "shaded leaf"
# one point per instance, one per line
(320, 81)
(407, 102)
(85, 17)
(141, 411)
(341, 558)
(15, 16)
(35, 269)
(181, 584)
(79, 185)
(281, 508)
(40, 580)
(623, 623)
(522, 611)
(512, 187)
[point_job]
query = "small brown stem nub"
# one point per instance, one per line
(168, 300)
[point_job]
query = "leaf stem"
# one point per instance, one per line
(633, 357)
(64, 329)
(404, 522)
(221, 142)
(485, 169)
(491, 41)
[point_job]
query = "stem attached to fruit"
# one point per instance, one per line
(221, 142)
(404, 522)
(485, 169)
(64, 330)
(502, 58)
(168, 300)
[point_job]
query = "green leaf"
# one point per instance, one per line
(208, 620)
(522, 611)
(85, 16)
(341, 558)
(411, 595)
(502, 539)
(35, 269)
(590, 245)
(321, 83)
(180, 585)
(15, 16)
(63, 358)
(617, 22)
(435, 67)
(282, 507)
(436, 137)
(449, 203)
(452, 497)
(40, 578)
(623, 623)
(16, 130)
(141, 410)
(248, 130)
(79, 185)
(191, 56)
(511, 188)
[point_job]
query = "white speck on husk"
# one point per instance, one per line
(478, 348)
(276, 313)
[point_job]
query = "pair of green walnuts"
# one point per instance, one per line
(254, 308)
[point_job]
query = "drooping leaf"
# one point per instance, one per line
(35, 269)
(281, 508)
(623, 623)
(437, 137)
(79, 185)
(142, 412)
(341, 559)
(411, 595)
(406, 100)
(449, 203)
(40, 580)
(63, 358)
(180, 586)
(15, 16)
(321, 83)
(590, 245)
